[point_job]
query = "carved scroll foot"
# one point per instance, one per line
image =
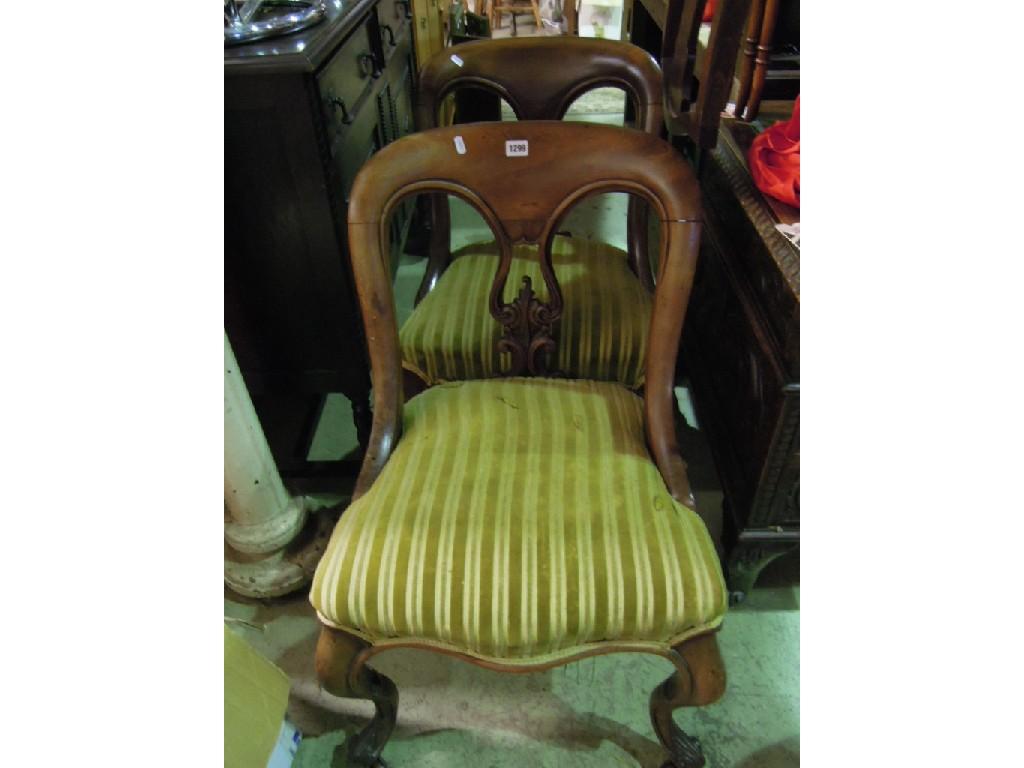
(746, 562)
(341, 673)
(365, 747)
(699, 679)
(684, 750)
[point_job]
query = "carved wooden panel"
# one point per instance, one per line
(765, 258)
(527, 324)
(739, 382)
(777, 501)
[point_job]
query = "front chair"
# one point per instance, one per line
(523, 523)
(540, 78)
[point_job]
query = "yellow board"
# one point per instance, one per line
(429, 28)
(255, 698)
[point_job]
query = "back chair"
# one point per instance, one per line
(540, 78)
(527, 522)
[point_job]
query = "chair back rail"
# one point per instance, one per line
(694, 100)
(524, 198)
(540, 78)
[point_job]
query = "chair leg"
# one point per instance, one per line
(699, 679)
(341, 674)
(536, 14)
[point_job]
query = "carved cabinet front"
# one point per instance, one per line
(303, 112)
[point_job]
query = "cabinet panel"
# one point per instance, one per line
(739, 380)
(346, 78)
(402, 87)
(777, 502)
(355, 145)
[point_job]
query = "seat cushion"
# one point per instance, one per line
(602, 334)
(520, 519)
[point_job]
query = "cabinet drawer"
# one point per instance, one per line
(346, 78)
(393, 14)
(354, 146)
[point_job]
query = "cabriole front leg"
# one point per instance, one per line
(341, 673)
(699, 679)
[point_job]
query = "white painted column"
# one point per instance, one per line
(264, 518)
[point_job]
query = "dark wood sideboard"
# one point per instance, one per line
(303, 112)
(742, 347)
(741, 341)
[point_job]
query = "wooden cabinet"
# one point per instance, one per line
(741, 342)
(302, 114)
(742, 347)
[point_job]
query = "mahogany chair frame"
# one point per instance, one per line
(540, 78)
(523, 199)
(694, 100)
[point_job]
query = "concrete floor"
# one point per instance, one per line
(592, 713)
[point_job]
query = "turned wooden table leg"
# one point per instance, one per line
(341, 673)
(764, 51)
(699, 679)
(571, 16)
(746, 73)
(536, 15)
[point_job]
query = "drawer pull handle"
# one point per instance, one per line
(340, 103)
(391, 34)
(408, 12)
(367, 64)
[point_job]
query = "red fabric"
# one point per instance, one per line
(775, 159)
(709, 10)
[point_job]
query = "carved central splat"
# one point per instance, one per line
(527, 324)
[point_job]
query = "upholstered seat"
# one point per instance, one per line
(601, 335)
(521, 519)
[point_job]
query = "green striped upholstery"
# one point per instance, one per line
(602, 335)
(520, 519)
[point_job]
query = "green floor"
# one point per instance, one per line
(592, 713)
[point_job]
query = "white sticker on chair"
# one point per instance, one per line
(460, 145)
(517, 148)
(456, 60)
